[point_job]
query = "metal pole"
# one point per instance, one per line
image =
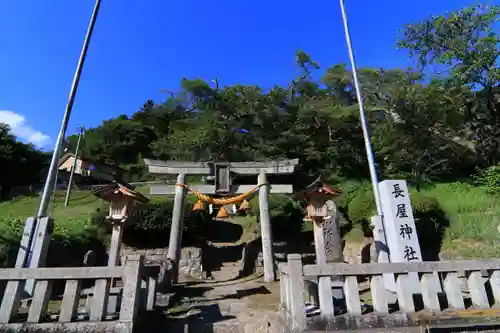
(49, 183)
(68, 191)
(364, 124)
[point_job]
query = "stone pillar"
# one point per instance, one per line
(114, 248)
(265, 229)
(131, 288)
(41, 240)
(331, 232)
(114, 260)
(174, 244)
(328, 246)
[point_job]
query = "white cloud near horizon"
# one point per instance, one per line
(22, 129)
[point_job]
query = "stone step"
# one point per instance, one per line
(226, 272)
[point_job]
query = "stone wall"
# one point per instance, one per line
(189, 264)
(354, 253)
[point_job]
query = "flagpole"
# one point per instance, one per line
(364, 123)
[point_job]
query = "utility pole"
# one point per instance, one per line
(68, 191)
(37, 231)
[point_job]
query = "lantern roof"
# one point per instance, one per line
(318, 187)
(119, 189)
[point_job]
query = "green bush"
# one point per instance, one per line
(362, 207)
(285, 213)
(350, 190)
(490, 178)
(71, 239)
(150, 224)
(278, 204)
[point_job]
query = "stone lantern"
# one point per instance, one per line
(322, 212)
(316, 196)
(122, 198)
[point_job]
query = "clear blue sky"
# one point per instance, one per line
(142, 47)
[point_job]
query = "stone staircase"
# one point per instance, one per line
(228, 271)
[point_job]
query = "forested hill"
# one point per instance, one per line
(436, 127)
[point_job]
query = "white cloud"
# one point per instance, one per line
(22, 130)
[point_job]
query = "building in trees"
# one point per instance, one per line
(88, 172)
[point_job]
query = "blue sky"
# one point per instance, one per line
(142, 47)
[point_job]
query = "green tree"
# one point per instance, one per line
(465, 46)
(20, 163)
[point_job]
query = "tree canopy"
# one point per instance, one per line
(436, 123)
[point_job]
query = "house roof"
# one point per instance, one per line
(65, 157)
(317, 186)
(119, 188)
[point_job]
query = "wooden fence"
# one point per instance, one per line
(63, 313)
(442, 301)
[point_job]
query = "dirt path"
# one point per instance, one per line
(222, 306)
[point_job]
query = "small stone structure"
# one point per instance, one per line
(190, 262)
(482, 277)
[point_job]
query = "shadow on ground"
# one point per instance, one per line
(202, 320)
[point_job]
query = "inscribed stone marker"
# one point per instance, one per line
(383, 254)
(331, 234)
(399, 225)
(328, 244)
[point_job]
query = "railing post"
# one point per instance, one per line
(296, 277)
(453, 291)
(131, 289)
(40, 302)
(151, 294)
(11, 300)
(283, 288)
(70, 300)
(477, 290)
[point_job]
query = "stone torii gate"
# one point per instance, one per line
(222, 174)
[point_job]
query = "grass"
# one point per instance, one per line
(474, 217)
(72, 222)
(81, 205)
(473, 214)
(250, 226)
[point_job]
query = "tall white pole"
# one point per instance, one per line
(364, 124)
(49, 183)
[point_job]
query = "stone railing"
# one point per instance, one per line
(63, 316)
(437, 281)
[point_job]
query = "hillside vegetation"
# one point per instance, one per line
(437, 126)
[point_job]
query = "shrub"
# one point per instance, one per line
(362, 207)
(150, 224)
(278, 203)
(286, 215)
(349, 191)
(490, 178)
(71, 239)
